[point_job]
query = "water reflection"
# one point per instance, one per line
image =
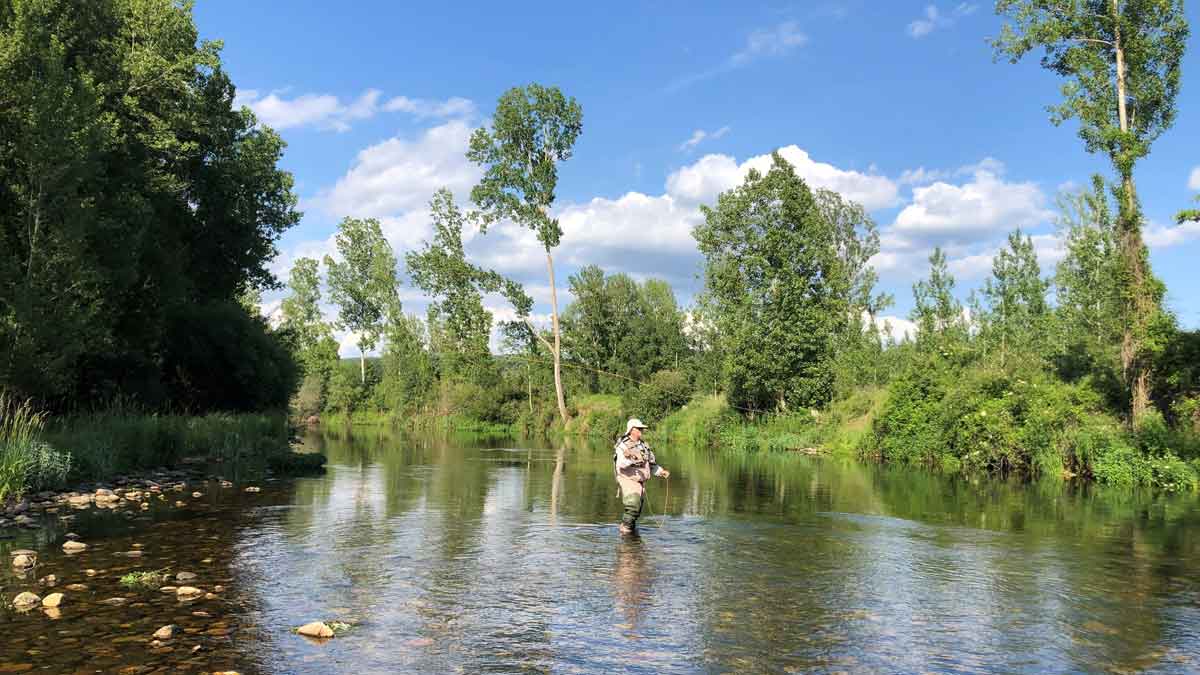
(468, 555)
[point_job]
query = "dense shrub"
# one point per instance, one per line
(667, 391)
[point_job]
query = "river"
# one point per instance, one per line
(471, 556)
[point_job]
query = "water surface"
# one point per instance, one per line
(470, 556)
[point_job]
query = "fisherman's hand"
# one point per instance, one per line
(663, 473)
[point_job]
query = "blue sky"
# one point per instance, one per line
(896, 104)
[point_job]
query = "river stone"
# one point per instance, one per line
(70, 535)
(188, 593)
(197, 495)
(168, 589)
(25, 601)
(316, 629)
(133, 554)
(253, 489)
(185, 576)
(52, 600)
(114, 602)
(90, 572)
(76, 587)
(48, 580)
(24, 562)
(166, 632)
(52, 612)
(73, 546)
(180, 505)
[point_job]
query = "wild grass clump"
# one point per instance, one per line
(144, 579)
(26, 461)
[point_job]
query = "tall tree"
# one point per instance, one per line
(941, 326)
(1088, 305)
(776, 284)
(1016, 298)
(135, 203)
(301, 309)
(442, 270)
(533, 128)
(363, 283)
(1121, 60)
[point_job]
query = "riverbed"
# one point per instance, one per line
(469, 555)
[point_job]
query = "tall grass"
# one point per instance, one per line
(26, 461)
(113, 442)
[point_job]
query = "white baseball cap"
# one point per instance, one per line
(634, 423)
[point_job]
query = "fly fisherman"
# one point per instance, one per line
(633, 465)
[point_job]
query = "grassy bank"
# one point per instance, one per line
(424, 422)
(40, 453)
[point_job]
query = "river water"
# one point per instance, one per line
(503, 556)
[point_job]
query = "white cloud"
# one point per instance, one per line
(980, 209)
(701, 135)
(1194, 179)
(399, 175)
(326, 111)
(935, 19)
(1157, 235)
(452, 107)
(713, 174)
(901, 329)
(922, 176)
(777, 41)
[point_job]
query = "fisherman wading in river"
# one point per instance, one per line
(633, 465)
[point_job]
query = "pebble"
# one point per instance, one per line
(188, 593)
(316, 629)
(114, 602)
(197, 495)
(253, 489)
(48, 580)
(73, 546)
(90, 572)
(25, 601)
(76, 587)
(166, 632)
(185, 576)
(24, 562)
(133, 554)
(52, 600)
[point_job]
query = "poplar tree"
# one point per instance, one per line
(1016, 298)
(533, 128)
(363, 283)
(1121, 62)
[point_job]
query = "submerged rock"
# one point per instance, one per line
(253, 489)
(188, 593)
(185, 576)
(48, 580)
(73, 546)
(166, 632)
(76, 587)
(23, 561)
(52, 600)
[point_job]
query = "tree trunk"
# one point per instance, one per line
(362, 365)
(558, 388)
(1136, 371)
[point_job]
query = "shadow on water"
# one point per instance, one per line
(463, 554)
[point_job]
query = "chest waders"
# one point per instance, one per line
(632, 493)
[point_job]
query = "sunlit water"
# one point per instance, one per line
(466, 556)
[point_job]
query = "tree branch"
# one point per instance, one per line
(537, 334)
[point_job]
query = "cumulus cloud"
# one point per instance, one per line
(1194, 179)
(703, 180)
(934, 19)
(328, 112)
(776, 41)
(981, 208)
(1158, 235)
(699, 136)
(401, 174)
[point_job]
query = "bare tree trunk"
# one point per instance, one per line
(1133, 366)
(558, 388)
(362, 365)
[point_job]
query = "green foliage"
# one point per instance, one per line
(1082, 42)
(776, 289)
(131, 192)
(1015, 317)
(363, 283)
(941, 325)
(533, 128)
(144, 580)
(616, 325)
(666, 391)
